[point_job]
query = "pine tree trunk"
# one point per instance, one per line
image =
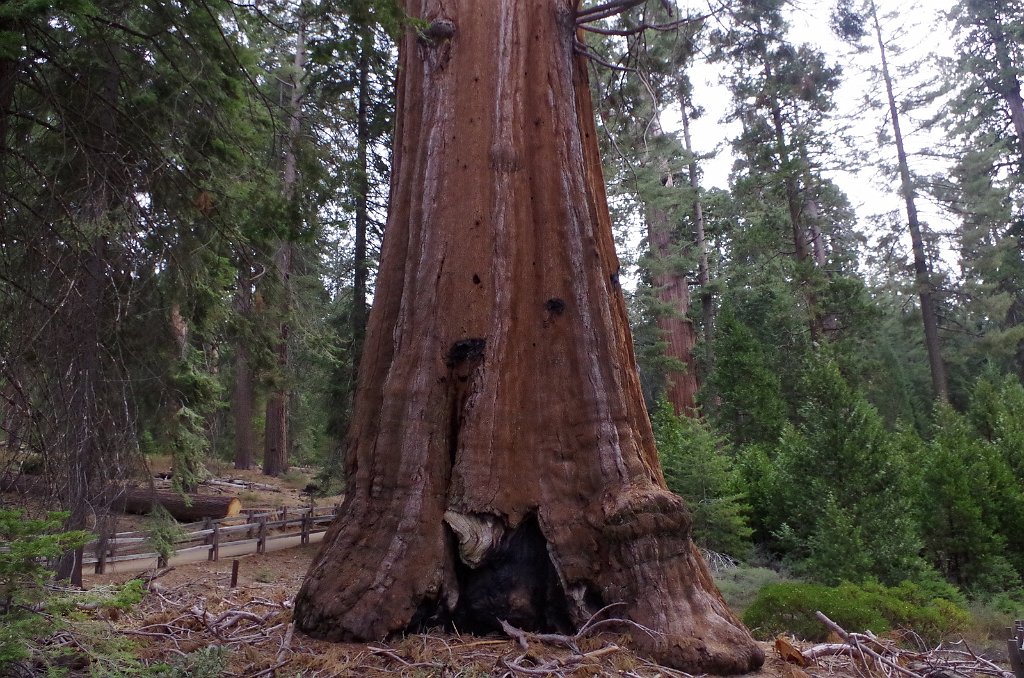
(85, 387)
(707, 301)
(503, 463)
(14, 412)
(91, 424)
(8, 78)
(276, 436)
(922, 274)
(801, 251)
(829, 322)
(242, 391)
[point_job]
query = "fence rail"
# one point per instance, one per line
(211, 535)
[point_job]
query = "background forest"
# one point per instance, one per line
(194, 194)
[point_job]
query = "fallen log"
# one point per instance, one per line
(184, 508)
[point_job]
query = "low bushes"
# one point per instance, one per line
(933, 611)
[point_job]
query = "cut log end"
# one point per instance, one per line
(234, 508)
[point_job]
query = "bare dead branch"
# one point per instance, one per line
(608, 9)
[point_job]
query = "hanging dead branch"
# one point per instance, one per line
(588, 19)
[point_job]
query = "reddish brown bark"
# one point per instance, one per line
(672, 289)
(501, 462)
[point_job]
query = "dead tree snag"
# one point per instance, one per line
(501, 463)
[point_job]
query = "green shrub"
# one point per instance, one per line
(698, 466)
(933, 612)
(26, 545)
(209, 662)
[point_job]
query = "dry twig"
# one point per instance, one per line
(886, 657)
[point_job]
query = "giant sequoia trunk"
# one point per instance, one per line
(672, 289)
(501, 464)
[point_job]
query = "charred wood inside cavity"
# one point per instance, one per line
(515, 582)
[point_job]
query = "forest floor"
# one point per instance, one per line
(192, 607)
(193, 619)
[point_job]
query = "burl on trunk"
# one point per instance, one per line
(501, 464)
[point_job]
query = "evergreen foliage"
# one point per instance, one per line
(698, 466)
(970, 504)
(26, 544)
(839, 501)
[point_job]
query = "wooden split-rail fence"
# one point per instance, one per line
(255, 528)
(1015, 648)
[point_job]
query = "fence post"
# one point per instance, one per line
(215, 542)
(101, 552)
(307, 519)
(208, 525)
(261, 545)
(1015, 648)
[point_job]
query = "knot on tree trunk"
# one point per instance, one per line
(439, 30)
(650, 511)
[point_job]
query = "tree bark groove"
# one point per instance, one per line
(498, 379)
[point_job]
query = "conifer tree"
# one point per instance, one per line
(854, 23)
